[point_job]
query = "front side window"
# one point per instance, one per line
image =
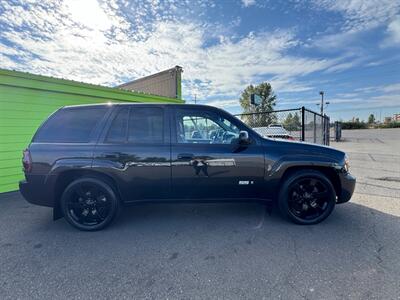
(71, 125)
(204, 128)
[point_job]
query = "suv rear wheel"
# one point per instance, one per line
(307, 197)
(89, 204)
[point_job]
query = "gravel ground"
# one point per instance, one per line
(226, 251)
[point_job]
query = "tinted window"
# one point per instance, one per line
(146, 125)
(195, 127)
(71, 125)
(118, 128)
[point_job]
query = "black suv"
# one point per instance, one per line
(87, 161)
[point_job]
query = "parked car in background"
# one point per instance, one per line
(86, 162)
(275, 131)
(275, 126)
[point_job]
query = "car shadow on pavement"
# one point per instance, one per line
(346, 217)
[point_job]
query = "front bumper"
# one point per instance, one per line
(36, 193)
(348, 184)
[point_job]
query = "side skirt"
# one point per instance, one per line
(192, 201)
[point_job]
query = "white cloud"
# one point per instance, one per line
(247, 3)
(393, 33)
(385, 100)
(102, 45)
(386, 88)
(224, 103)
(88, 13)
(335, 42)
(392, 88)
(368, 89)
(361, 15)
(379, 96)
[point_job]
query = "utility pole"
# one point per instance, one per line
(195, 98)
(322, 102)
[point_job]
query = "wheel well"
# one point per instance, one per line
(328, 172)
(66, 177)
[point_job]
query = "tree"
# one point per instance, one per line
(292, 122)
(268, 101)
(371, 119)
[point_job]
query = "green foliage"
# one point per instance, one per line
(268, 101)
(354, 125)
(390, 125)
(371, 119)
(363, 125)
(292, 122)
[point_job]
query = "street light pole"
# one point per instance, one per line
(322, 102)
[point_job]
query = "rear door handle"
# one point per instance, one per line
(185, 156)
(114, 155)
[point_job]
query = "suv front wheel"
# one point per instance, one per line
(89, 204)
(307, 197)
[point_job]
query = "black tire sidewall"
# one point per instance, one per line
(283, 196)
(114, 209)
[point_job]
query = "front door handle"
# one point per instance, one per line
(185, 156)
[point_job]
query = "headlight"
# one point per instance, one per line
(346, 164)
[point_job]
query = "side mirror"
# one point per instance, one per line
(244, 137)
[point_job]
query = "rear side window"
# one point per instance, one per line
(139, 125)
(118, 128)
(71, 125)
(146, 125)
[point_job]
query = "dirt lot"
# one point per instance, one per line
(217, 251)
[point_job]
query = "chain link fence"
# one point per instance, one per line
(293, 124)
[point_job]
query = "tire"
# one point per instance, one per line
(89, 204)
(306, 197)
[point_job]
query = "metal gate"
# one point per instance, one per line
(294, 124)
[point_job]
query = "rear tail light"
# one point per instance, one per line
(26, 160)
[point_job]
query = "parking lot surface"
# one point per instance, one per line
(226, 251)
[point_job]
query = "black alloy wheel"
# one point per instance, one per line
(307, 197)
(89, 204)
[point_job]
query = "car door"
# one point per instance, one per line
(135, 149)
(207, 160)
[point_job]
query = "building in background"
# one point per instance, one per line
(26, 100)
(387, 120)
(165, 83)
(396, 117)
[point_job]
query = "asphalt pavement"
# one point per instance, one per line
(230, 251)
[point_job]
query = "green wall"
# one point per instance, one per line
(25, 102)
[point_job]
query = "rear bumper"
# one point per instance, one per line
(36, 193)
(348, 184)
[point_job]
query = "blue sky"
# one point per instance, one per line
(348, 48)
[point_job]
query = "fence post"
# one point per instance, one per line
(338, 131)
(328, 130)
(315, 128)
(302, 124)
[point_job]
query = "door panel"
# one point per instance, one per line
(136, 150)
(208, 162)
(217, 171)
(143, 171)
